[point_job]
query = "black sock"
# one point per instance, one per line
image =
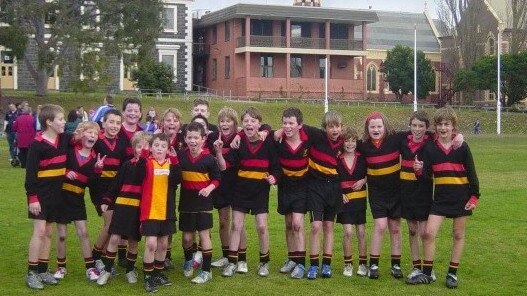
(313, 260)
(207, 258)
(427, 267)
(264, 258)
(121, 252)
(396, 260)
(453, 268)
(130, 261)
(242, 255)
(374, 259)
(326, 259)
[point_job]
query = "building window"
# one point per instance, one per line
(371, 78)
(168, 60)
(214, 69)
(169, 20)
(266, 66)
(492, 46)
(227, 31)
(339, 31)
(296, 66)
(322, 67)
(214, 37)
(321, 30)
(301, 30)
(227, 67)
(261, 27)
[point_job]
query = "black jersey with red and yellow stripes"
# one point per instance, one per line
(178, 142)
(84, 169)
(160, 180)
(115, 152)
(323, 154)
(45, 169)
(197, 173)
(126, 189)
(294, 161)
(126, 137)
(453, 172)
(411, 188)
(228, 176)
(349, 175)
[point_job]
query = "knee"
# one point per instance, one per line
(224, 224)
(150, 247)
(297, 227)
(458, 236)
(347, 234)
(236, 227)
(315, 228)
(261, 228)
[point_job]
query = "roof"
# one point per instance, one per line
(281, 12)
(395, 28)
(502, 9)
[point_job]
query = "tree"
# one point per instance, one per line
(399, 70)
(155, 75)
(465, 80)
(62, 31)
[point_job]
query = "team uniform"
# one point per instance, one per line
(45, 171)
(383, 170)
(256, 161)
(416, 196)
(125, 197)
(455, 178)
(292, 188)
(222, 196)
(196, 173)
(73, 190)
(324, 194)
(158, 199)
(126, 138)
(354, 211)
(115, 152)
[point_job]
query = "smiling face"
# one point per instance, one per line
(140, 146)
(290, 126)
(132, 114)
(418, 129)
(57, 124)
(171, 124)
(200, 109)
(227, 126)
(350, 145)
(376, 129)
(89, 137)
(444, 130)
(194, 141)
(333, 131)
(251, 126)
(159, 149)
(111, 125)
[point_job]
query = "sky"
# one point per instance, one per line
(392, 5)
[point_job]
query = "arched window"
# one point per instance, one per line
(371, 78)
(491, 45)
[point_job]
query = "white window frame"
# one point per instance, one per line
(174, 28)
(164, 49)
(376, 90)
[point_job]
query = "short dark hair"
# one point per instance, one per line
(109, 99)
(200, 101)
(48, 112)
(253, 112)
(196, 127)
(294, 112)
(110, 112)
(162, 137)
(421, 116)
(199, 116)
(131, 100)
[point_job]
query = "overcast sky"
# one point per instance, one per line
(392, 5)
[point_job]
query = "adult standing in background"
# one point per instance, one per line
(107, 105)
(82, 114)
(24, 126)
(10, 118)
(35, 117)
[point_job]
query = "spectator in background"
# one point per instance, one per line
(152, 123)
(82, 114)
(10, 118)
(107, 105)
(477, 127)
(35, 117)
(24, 126)
(72, 122)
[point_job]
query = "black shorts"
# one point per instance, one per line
(125, 222)
(255, 204)
(191, 222)
(353, 212)
(50, 212)
(292, 197)
(222, 197)
(158, 227)
(450, 207)
(384, 204)
(324, 199)
(98, 188)
(74, 208)
(416, 200)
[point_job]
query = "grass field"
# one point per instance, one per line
(493, 262)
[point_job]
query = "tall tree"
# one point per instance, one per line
(62, 31)
(399, 70)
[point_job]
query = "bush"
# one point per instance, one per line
(154, 75)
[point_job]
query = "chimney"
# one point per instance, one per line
(313, 3)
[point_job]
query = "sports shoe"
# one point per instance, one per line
(131, 276)
(92, 274)
(433, 275)
(229, 270)
(220, 263)
(150, 285)
(348, 270)
(312, 272)
(298, 271)
(188, 270)
(263, 269)
(288, 266)
(397, 272)
(162, 280)
(115, 272)
(419, 278)
(362, 270)
(33, 281)
(373, 273)
(413, 273)
(326, 271)
(197, 259)
(451, 281)
(47, 278)
(60, 273)
(203, 277)
(242, 267)
(99, 265)
(168, 264)
(104, 276)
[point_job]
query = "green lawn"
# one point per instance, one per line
(493, 262)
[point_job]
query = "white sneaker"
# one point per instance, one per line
(99, 265)
(348, 270)
(60, 273)
(104, 276)
(92, 274)
(131, 276)
(433, 276)
(220, 263)
(363, 270)
(415, 271)
(242, 267)
(263, 269)
(197, 259)
(229, 270)
(203, 277)
(188, 270)
(288, 266)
